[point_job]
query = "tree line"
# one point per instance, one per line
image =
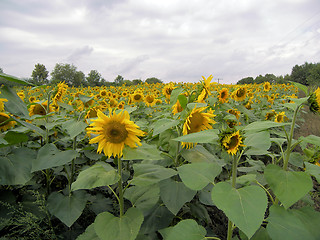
(71, 76)
(307, 74)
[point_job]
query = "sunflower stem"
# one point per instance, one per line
(120, 188)
(233, 184)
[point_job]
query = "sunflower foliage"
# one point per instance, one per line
(157, 161)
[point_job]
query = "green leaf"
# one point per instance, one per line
(74, 127)
(313, 170)
(14, 79)
(293, 224)
(15, 168)
(147, 174)
(200, 154)
(13, 137)
(175, 94)
(144, 152)
(159, 217)
(197, 175)
(66, 208)
(257, 143)
(289, 187)
(109, 227)
(30, 126)
(163, 124)
(245, 207)
(143, 197)
(175, 194)
(183, 101)
(187, 229)
(50, 156)
(206, 136)
(98, 175)
(14, 105)
(263, 125)
(89, 234)
(315, 140)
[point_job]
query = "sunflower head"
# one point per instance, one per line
(231, 141)
(137, 97)
(280, 117)
(39, 109)
(223, 95)
(266, 86)
(113, 132)
(314, 101)
(197, 121)
(4, 123)
(239, 94)
(168, 88)
(176, 108)
(149, 100)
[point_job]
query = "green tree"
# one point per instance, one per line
(300, 73)
(67, 73)
(136, 81)
(314, 75)
(94, 78)
(153, 80)
(39, 74)
(127, 82)
(119, 80)
(246, 80)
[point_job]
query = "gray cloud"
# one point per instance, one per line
(173, 40)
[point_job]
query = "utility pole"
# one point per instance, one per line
(219, 80)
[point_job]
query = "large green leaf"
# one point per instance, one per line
(98, 175)
(89, 234)
(74, 127)
(147, 174)
(175, 194)
(311, 139)
(258, 143)
(245, 207)
(263, 125)
(206, 136)
(200, 154)
(143, 197)
(163, 124)
(12, 138)
(187, 229)
(50, 156)
(14, 104)
(66, 208)
(109, 227)
(30, 126)
(288, 187)
(144, 152)
(293, 224)
(197, 175)
(313, 170)
(14, 79)
(15, 168)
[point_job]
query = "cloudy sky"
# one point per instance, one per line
(174, 40)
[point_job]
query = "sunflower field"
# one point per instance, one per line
(174, 161)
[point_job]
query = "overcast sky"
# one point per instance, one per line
(173, 40)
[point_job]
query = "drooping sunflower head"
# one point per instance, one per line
(176, 108)
(223, 95)
(39, 109)
(270, 115)
(266, 86)
(197, 121)
(113, 132)
(4, 123)
(314, 101)
(239, 94)
(231, 142)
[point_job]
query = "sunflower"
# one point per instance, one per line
(231, 142)
(223, 95)
(280, 117)
(62, 89)
(21, 95)
(114, 132)
(234, 112)
(4, 123)
(32, 99)
(150, 100)
(239, 94)
(39, 109)
(92, 113)
(197, 121)
(103, 93)
(2, 104)
(121, 105)
(176, 108)
(314, 101)
(137, 97)
(113, 103)
(267, 87)
(168, 89)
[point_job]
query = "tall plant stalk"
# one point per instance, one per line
(120, 188)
